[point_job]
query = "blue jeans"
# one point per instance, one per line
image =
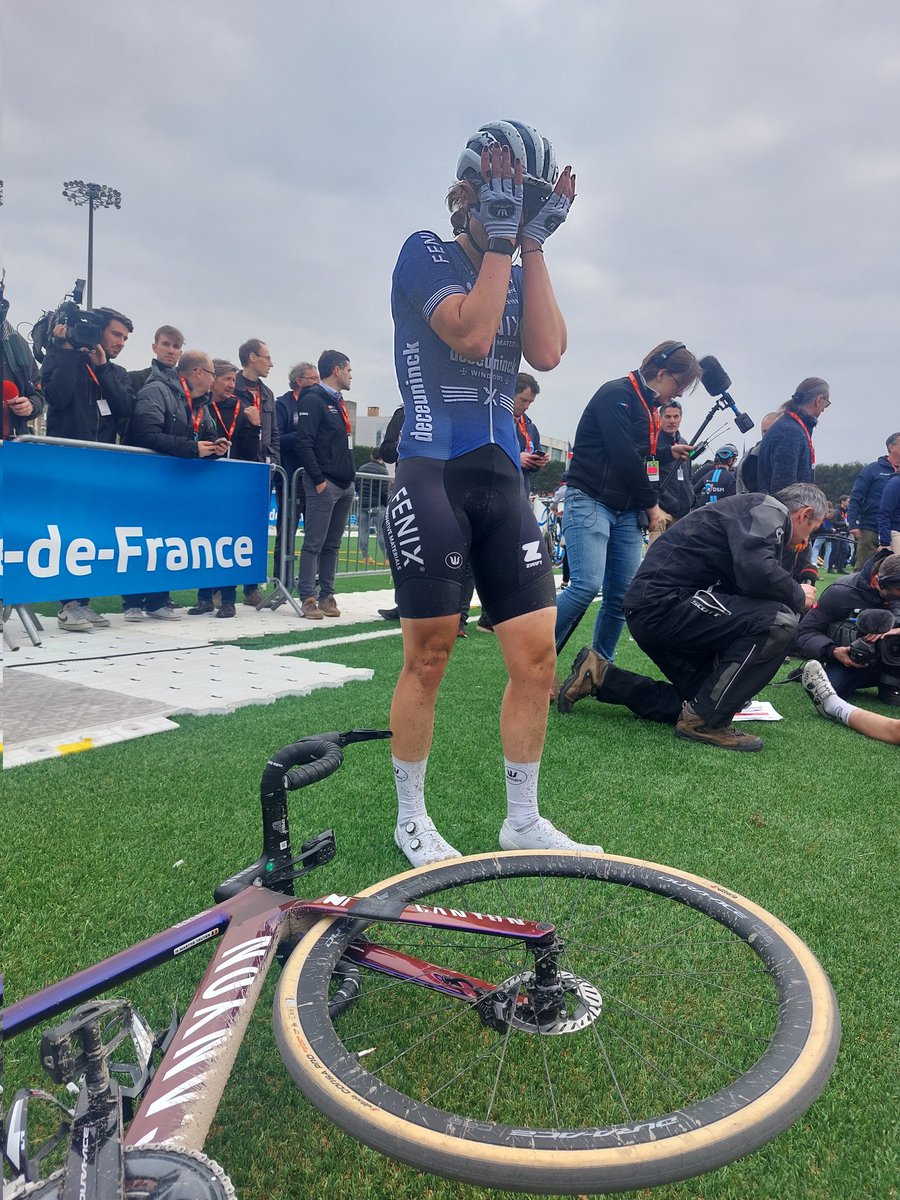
(821, 546)
(604, 549)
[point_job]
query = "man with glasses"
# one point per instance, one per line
(171, 417)
(287, 409)
(786, 453)
(258, 408)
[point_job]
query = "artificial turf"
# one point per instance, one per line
(103, 848)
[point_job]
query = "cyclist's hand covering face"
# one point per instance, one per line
(500, 196)
(554, 211)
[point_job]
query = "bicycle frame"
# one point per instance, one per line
(180, 1096)
(181, 1100)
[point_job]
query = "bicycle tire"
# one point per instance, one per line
(771, 984)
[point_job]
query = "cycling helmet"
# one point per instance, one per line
(537, 155)
(727, 453)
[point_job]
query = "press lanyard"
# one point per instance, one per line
(344, 414)
(237, 409)
(812, 452)
(92, 375)
(652, 419)
(195, 420)
(523, 429)
(256, 397)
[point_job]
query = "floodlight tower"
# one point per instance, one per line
(94, 195)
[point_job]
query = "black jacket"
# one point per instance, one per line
(839, 600)
(269, 446)
(162, 420)
(389, 451)
(323, 448)
(612, 447)
(740, 546)
(72, 395)
(20, 368)
(676, 496)
(287, 409)
(243, 436)
(536, 447)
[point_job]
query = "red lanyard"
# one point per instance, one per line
(237, 409)
(652, 417)
(523, 429)
(92, 375)
(344, 413)
(195, 419)
(812, 453)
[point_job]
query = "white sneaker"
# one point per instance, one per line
(817, 686)
(542, 835)
(134, 614)
(71, 618)
(96, 619)
(421, 842)
(165, 614)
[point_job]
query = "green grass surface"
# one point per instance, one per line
(807, 828)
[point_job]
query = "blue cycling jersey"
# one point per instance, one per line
(452, 404)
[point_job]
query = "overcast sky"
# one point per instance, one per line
(738, 169)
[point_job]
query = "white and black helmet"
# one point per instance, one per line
(537, 154)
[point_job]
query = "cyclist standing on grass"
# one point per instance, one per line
(463, 317)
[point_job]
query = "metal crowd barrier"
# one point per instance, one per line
(350, 560)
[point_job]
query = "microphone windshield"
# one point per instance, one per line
(715, 379)
(10, 391)
(874, 620)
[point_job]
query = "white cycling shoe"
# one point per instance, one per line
(421, 842)
(542, 835)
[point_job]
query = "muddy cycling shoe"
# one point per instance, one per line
(542, 835)
(586, 679)
(421, 842)
(690, 726)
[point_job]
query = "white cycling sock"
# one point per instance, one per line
(521, 793)
(410, 780)
(839, 709)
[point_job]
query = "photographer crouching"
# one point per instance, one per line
(716, 605)
(845, 630)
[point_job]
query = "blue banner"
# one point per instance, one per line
(85, 522)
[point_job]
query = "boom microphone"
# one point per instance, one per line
(717, 381)
(874, 620)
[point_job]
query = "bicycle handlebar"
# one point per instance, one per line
(311, 759)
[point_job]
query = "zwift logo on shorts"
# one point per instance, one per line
(532, 554)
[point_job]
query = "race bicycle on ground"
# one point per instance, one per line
(551, 1022)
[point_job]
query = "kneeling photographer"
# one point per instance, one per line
(846, 629)
(87, 394)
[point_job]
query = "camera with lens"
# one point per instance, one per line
(84, 327)
(883, 653)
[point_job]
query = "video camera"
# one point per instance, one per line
(884, 654)
(84, 327)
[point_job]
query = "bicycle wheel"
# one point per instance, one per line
(698, 1028)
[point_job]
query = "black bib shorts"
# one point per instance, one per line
(446, 514)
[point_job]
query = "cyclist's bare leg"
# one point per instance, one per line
(530, 655)
(874, 725)
(427, 643)
(528, 648)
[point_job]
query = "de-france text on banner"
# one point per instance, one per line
(80, 521)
